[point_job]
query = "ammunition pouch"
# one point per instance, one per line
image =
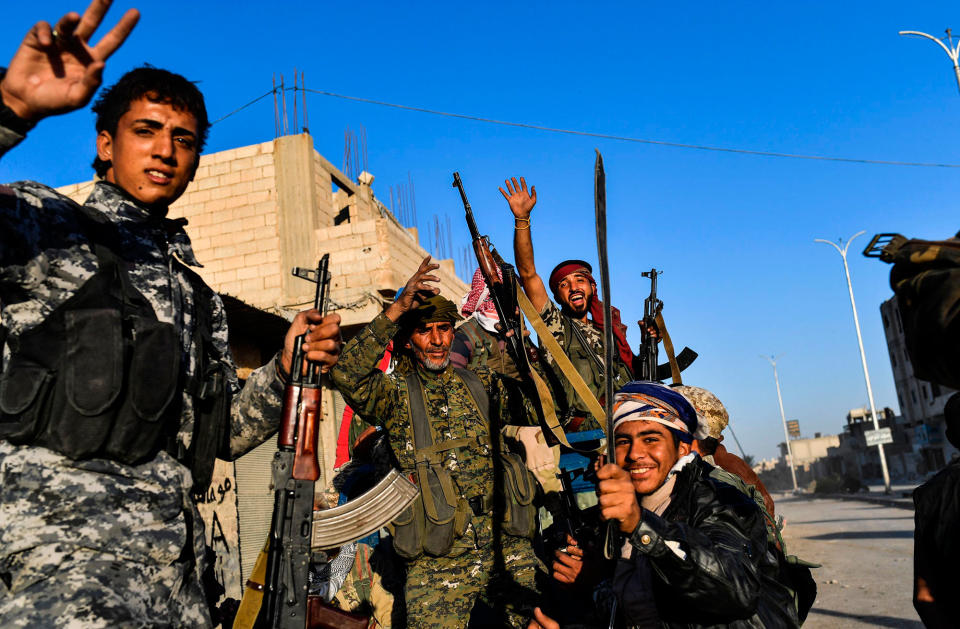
(101, 376)
(440, 515)
(519, 489)
(98, 378)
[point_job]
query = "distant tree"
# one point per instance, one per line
(748, 459)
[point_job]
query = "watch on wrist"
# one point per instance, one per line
(8, 118)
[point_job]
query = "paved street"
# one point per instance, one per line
(867, 556)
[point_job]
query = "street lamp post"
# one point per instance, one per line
(783, 417)
(952, 51)
(863, 356)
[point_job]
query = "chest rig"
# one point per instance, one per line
(102, 377)
(440, 515)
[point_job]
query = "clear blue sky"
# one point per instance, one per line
(733, 234)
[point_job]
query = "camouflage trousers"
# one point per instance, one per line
(89, 590)
(447, 592)
(374, 586)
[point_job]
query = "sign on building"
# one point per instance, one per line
(876, 437)
(793, 428)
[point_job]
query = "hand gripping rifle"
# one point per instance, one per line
(296, 469)
(280, 576)
(649, 369)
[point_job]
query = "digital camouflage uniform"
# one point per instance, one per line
(96, 543)
(442, 591)
(587, 360)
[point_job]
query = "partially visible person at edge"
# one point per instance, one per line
(695, 550)
(478, 341)
(936, 547)
(577, 324)
(117, 387)
(465, 561)
(711, 448)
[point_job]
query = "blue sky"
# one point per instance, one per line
(733, 233)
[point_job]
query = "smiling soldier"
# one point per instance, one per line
(468, 555)
(117, 387)
(578, 323)
(696, 552)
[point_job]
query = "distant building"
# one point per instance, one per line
(921, 402)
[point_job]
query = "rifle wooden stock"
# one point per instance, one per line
(287, 435)
(487, 265)
(305, 463)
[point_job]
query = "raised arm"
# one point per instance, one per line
(521, 204)
(56, 70)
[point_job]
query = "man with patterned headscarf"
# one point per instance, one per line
(577, 324)
(466, 539)
(695, 551)
(477, 340)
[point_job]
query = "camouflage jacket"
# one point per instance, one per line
(474, 346)
(588, 359)
(50, 503)
(382, 400)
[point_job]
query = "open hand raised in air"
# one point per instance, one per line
(420, 287)
(521, 201)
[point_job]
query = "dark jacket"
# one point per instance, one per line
(936, 550)
(721, 571)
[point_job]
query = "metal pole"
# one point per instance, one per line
(952, 51)
(863, 355)
(783, 418)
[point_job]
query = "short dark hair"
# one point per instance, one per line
(156, 85)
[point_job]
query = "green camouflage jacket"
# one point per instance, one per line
(382, 400)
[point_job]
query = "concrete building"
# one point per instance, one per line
(921, 402)
(253, 213)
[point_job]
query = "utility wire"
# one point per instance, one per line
(607, 136)
(242, 107)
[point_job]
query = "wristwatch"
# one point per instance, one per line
(8, 118)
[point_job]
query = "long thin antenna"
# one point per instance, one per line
(303, 86)
(276, 110)
(283, 98)
(294, 100)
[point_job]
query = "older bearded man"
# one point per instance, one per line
(696, 551)
(466, 540)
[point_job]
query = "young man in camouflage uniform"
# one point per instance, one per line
(115, 354)
(576, 324)
(476, 577)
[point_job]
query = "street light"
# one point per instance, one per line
(783, 417)
(863, 356)
(952, 51)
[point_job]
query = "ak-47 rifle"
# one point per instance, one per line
(649, 342)
(277, 593)
(502, 286)
(652, 331)
(296, 469)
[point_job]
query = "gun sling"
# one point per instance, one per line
(563, 362)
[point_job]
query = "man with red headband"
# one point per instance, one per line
(578, 322)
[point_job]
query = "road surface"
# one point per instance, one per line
(867, 555)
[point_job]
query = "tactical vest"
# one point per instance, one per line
(487, 350)
(440, 515)
(101, 376)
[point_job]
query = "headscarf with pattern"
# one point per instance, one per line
(655, 402)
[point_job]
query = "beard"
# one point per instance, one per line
(580, 309)
(429, 363)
